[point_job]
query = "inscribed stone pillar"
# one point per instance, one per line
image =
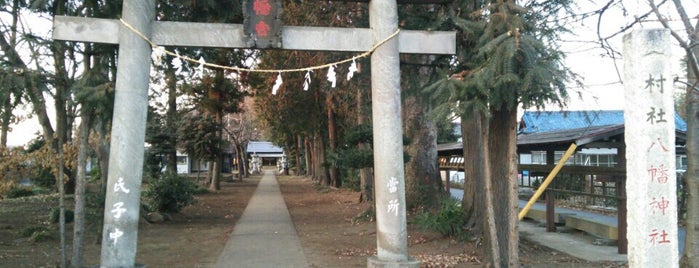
(391, 224)
(650, 150)
(122, 205)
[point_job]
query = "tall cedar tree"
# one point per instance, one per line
(422, 179)
(516, 62)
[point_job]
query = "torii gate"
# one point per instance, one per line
(120, 230)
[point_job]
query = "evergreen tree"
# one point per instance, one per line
(515, 63)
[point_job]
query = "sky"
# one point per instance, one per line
(602, 88)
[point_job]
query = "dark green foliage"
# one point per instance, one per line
(55, 213)
(37, 233)
(35, 144)
(30, 230)
(349, 156)
(448, 131)
(41, 236)
(200, 190)
(170, 193)
(43, 177)
(17, 192)
(94, 209)
(199, 137)
(152, 165)
(516, 59)
(447, 220)
(359, 134)
(350, 179)
(39, 190)
(95, 174)
(369, 215)
(355, 158)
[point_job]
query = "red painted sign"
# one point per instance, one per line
(263, 23)
(261, 7)
(261, 29)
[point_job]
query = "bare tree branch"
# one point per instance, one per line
(604, 40)
(685, 19)
(666, 25)
(686, 45)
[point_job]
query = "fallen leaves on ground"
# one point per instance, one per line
(426, 260)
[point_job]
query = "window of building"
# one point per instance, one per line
(181, 160)
(538, 158)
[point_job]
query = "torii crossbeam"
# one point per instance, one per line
(128, 128)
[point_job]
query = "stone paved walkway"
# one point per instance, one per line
(265, 235)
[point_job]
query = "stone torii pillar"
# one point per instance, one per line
(122, 204)
(391, 226)
(128, 132)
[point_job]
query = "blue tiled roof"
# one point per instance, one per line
(263, 147)
(546, 121)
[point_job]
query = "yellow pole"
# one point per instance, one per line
(548, 180)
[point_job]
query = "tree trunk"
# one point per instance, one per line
(60, 87)
(690, 256)
(209, 172)
(366, 179)
(80, 185)
(472, 128)
(5, 109)
(299, 149)
(61, 97)
(215, 172)
(61, 207)
(503, 170)
(34, 91)
(489, 224)
(321, 171)
(422, 179)
(332, 169)
(310, 156)
(244, 160)
(171, 115)
(6, 113)
(103, 160)
(241, 161)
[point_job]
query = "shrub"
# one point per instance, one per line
(170, 193)
(30, 230)
(368, 215)
(95, 174)
(42, 236)
(54, 214)
(447, 220)
(37, 233)
(17, 192)
(44, 178)
(200, 189)
(94, 212)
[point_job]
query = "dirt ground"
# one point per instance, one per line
(326, 220)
